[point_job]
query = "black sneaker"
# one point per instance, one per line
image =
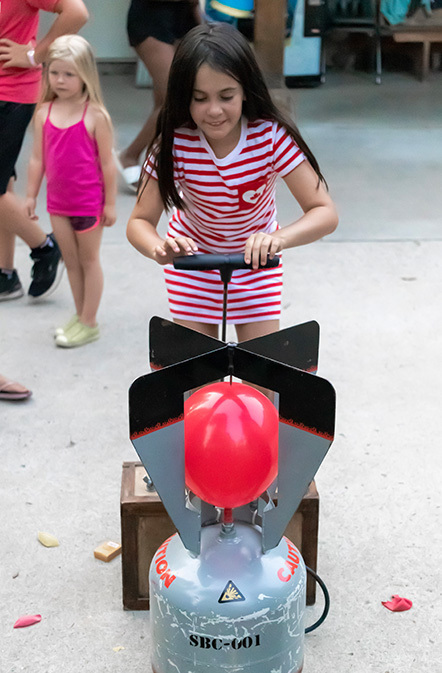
(47, 270)
(10, 286)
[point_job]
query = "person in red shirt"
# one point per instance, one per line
(21, 57)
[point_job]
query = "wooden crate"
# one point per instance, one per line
(145, 525)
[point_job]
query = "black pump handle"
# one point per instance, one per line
(219, 260)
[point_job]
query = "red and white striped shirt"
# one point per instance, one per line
(226, 201)
(229, 199)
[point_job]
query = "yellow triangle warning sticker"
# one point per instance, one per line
(230, 593)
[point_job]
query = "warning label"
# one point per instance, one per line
(230, 593)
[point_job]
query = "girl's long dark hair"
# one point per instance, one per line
(225, 49)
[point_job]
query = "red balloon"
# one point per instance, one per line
(231, 443)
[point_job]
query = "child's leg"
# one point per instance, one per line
(253, 330)
(89, 256)
(204, 328)
(67, 241)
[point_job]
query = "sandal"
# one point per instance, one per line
(11, 390)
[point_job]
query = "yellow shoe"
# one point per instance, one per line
(70, 323)
(78, 335)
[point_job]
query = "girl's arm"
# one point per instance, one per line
(36, 164)
(142, 228)
(104, 138)
(320, 218)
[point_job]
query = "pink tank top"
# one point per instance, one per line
(73, 171)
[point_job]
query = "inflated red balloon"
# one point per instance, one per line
(231, 443)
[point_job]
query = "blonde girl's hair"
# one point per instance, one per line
(76, 49)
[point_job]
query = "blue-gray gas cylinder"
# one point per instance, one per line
(232, 609)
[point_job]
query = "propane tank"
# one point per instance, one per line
(233, 608)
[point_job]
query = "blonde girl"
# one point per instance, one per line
(73, 143)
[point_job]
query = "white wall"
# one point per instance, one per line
(105, 30)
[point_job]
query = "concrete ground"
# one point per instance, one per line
(375, 288)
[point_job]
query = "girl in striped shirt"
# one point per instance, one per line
(220, 145)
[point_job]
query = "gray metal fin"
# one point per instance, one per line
(158, 451)
(300, 455)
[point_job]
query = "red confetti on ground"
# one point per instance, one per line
(27, 620)
(398, 604)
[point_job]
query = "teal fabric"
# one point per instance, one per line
(395, 11)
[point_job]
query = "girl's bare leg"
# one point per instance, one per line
(253, 330)
(204, 328)
(67, 241)
(88, 243)
(157, 57)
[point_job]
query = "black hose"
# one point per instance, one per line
(326, 598)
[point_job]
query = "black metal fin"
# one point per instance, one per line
(297, 346)
(170, 343)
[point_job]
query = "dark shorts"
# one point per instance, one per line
(80, 224)
(165, 21)
(14, 120)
